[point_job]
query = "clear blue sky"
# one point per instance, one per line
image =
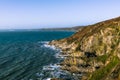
(55, 13)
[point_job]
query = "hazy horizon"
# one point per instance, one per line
(36, 14)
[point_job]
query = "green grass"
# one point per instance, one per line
(101, 73)
(102, 58)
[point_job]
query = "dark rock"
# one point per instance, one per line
(90, 54)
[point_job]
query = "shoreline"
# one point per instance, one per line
(91, 51)
(55, 69)
(66, 54)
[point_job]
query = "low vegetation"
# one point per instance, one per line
(99, 49)
(104, 71)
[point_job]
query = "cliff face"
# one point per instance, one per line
(93, 51)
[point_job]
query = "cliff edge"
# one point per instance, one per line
(93, 52)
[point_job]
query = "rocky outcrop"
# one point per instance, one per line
(93, 51)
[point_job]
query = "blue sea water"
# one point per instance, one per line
(23, 54)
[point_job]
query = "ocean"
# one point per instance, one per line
(24, 54)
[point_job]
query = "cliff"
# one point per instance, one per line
(93, 52)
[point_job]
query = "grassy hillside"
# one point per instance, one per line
(93, 51)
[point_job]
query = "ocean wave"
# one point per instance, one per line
(46, 44)
(53, 70)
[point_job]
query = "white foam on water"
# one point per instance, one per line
(48, 79)
(50, 46)
(51, 67)
(54, 69)
(46, 44)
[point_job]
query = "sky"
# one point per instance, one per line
(35, 14)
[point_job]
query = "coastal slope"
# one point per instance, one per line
(93, 52)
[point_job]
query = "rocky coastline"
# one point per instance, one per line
(54, 71)
(92, 53)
